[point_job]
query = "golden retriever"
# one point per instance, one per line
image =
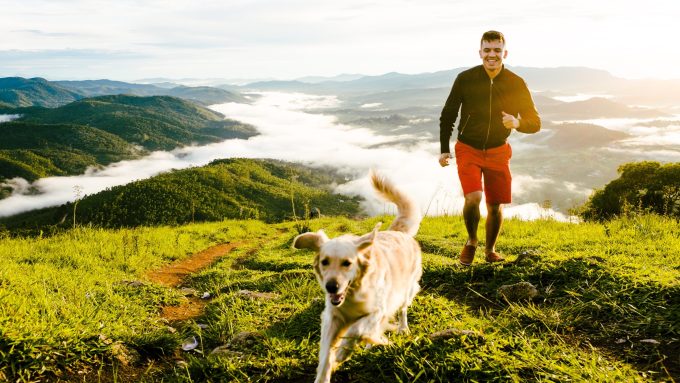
(367, 280)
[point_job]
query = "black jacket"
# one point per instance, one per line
(483, 100)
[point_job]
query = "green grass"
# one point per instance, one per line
(65, 306)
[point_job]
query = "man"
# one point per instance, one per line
(493, 101)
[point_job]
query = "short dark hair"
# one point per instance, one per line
(492, 36)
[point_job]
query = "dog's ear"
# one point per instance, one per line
(365, 241)
(312, 241)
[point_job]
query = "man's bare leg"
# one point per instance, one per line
(494, 221)
(471, 216)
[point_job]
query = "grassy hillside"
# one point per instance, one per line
(155, 123)
(81, 306)
(229, 188)
(102, 130)
(23, 92)
(32, 151)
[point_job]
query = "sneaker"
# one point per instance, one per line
(467, 255)
(494, 257)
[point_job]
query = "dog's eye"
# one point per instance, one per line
(325, 262)
(346, 263)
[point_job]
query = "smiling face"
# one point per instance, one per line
(492, 54)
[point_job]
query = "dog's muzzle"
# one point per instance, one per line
(332, 288)
(337, 299)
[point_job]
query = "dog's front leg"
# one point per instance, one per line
(332, 328)
(369, 329)
(345, 348)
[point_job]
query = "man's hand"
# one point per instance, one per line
(444, 159)
(510, 121)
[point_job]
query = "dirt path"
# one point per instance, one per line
(174, 274)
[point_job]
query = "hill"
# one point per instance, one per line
(22, 92)
(230, 188)
(201, 94)
(155, 123)
(86, 305)
(101, 130)
(596, 107)
(32, 151)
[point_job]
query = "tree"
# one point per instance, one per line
(646, 186)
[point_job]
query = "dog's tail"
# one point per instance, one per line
(409, 217)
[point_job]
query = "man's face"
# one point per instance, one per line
(492, 54)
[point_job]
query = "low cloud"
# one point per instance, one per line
(289, 134)
(8, 117)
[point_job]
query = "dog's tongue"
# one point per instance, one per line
(336, 298)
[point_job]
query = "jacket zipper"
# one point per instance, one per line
(464, 125)
(488, 130)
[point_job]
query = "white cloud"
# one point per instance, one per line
(8, 117)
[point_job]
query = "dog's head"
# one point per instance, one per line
(339, 262)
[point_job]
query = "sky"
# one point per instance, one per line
(255, 39)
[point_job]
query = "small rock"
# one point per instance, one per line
(257, 294)
(650, 341)
(619, 341)
(518, 292)
(205, 295)
(189, 343)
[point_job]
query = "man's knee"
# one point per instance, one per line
(473, 198)
(494, 208)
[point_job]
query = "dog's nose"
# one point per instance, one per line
(332, 287)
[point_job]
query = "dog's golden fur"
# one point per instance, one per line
(367, 280)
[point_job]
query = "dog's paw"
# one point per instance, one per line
(375, 340)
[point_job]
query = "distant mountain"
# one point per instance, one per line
(206, 95)
(93, 88)
(101, 130)
(230, 188)
(340, 77)
(23, 92)
(596, 107)
(568, 79)
(202, 94)
(574, 136)
(202, 81)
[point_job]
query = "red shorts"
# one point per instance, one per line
(492, 164)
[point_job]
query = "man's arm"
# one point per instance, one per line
(449, 115)
(530, 121)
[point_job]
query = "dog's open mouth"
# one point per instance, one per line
(336, 299)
